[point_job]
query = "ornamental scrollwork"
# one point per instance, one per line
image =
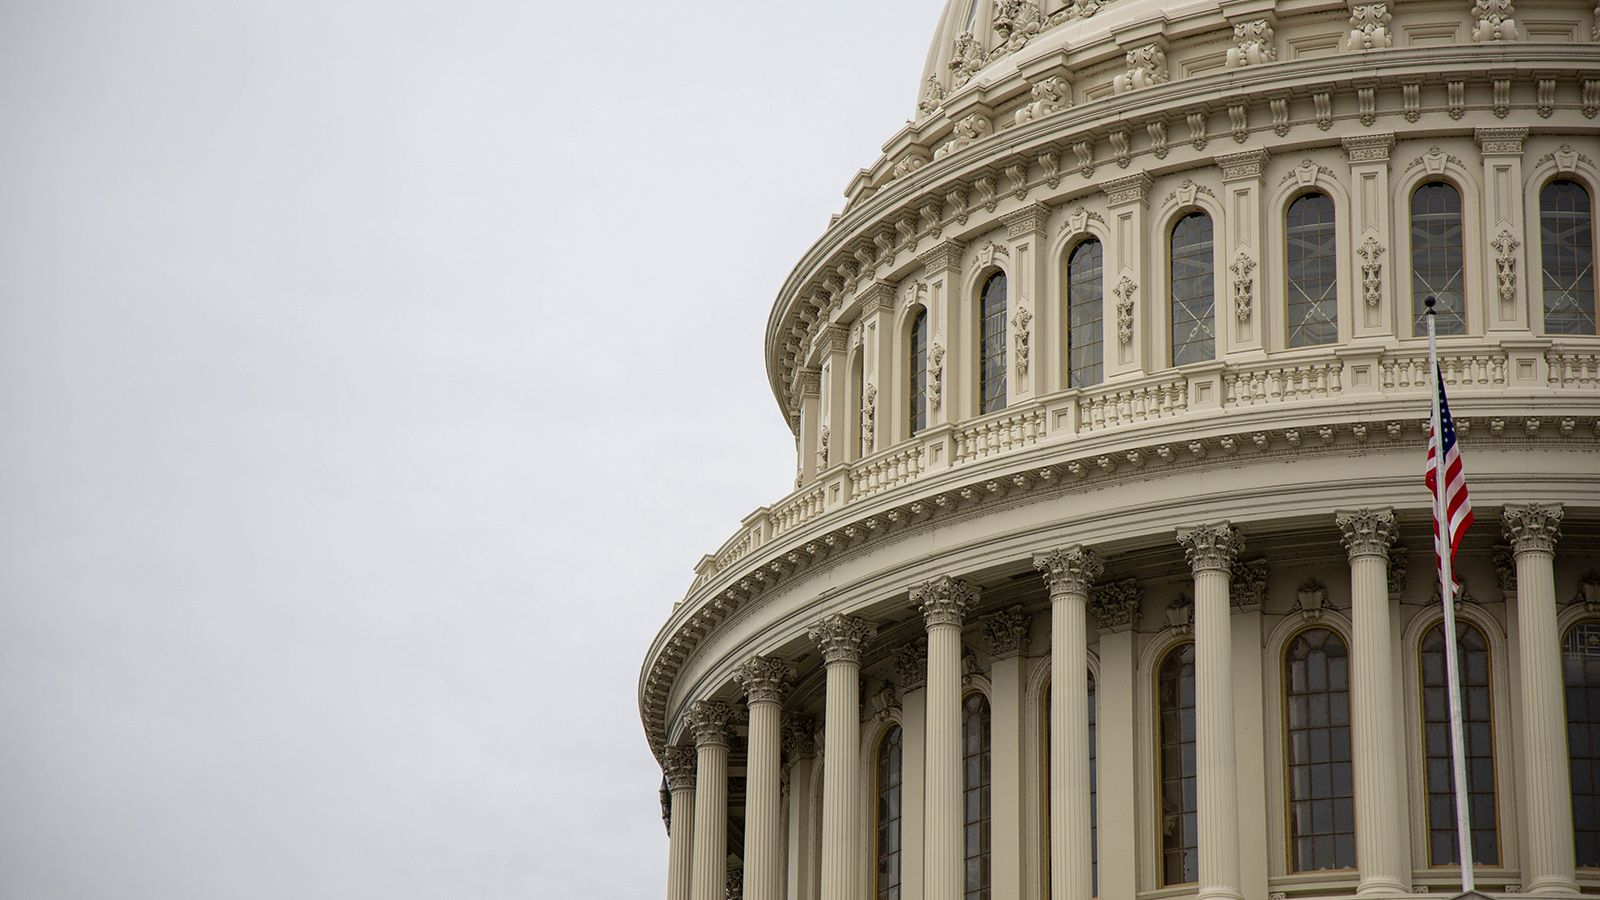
(911, 665)
(1496, 21)
(1369, 27)
(1395, 574)
(1124, 292)
(1505, 246)
(1310, 598)
(966, 61)
(968, 130)
(1249, 588)
(932, 96)
(1243, 285)
(1016, 21)
(935, 375)
(1147, 67)
(1371, 253)
(1019, 337)
(823, 438)
(944, 600)
(1254, 40)
(1050, 95)
(869, 418)
(799, 737)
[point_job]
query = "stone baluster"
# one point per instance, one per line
(764, 680)
(1368, 535)
(944, 603)
(1211, 550)
(679, 768)
(1548, 869)
(841, 639)
(709, 720)
(1068, 572)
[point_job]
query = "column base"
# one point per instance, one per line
(1552, 887)
(1382, 887)
(1219, 893)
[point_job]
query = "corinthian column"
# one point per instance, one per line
(944, 602)
(764, 680)
(709, 720)
(1367, 535)
(1211, 550)
(841, 638)
(679, 768)
(1069, 571)
(1533, 530)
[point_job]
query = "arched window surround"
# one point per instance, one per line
(855, 386)
(1156, 305)
(1280, 863)
(1149, 737)
(970, 690)
(898, 392)
(1271, 306)
(873, 731)
(1477, 265)
(1586, 177)
(970, 370)
(1416, 785)
(1053, 352)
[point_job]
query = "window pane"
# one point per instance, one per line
(1475, 675)
(992, 346)
(975, 740)
(1193, 286)
(1436, 266)
(888, 823)
(1566, 238)
(919, 373)
(1179, 838)
(1313, 265)
(1084, 313)
(1318, 755)
(1580, 664)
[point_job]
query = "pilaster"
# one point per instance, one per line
(1007, 634)
(807, 395)
(949, 329)
(800, 756)
(1029, 316)
(1125, 321)
(911, 673)
(887, 390)
(1504, 256)
(1367, 230)
(1240, 309)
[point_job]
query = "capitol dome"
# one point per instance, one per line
(1108, 569)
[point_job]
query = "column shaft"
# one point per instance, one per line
(944, 848)
(840, 779)
(1377, 773)
(710, 872)
(680, 846)
(1069, 747)
(761, 824)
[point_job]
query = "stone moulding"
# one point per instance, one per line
(736, 592)
(1077, 133)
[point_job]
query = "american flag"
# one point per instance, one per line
(1458, 508)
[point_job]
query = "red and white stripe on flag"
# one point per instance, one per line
(1458, 508)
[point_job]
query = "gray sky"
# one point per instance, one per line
(372, 376)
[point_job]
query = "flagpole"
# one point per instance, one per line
(1441, 542)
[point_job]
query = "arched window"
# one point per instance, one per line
(975, 779)
(992, 346)
(1580, 664)
(1312, 263)
(1566, 241)
(1176, 767)
(1316, 696)
(1085, 311)
(1436, 262)
(918, 411)
(1193, 291)
(887, 883)
(1478, 725)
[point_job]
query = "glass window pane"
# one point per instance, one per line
(1179, 837)
(1436, 260)
(888, 823)
(1312, 263)
(1566, 240)
(1193, 291)
(1085, 311)
(1321, 795)
(1580, 664)
(975, 741)
(918, 411)
(992, 345)
(1477, 720)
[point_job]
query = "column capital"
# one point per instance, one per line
(1211, 548)
(1532, 528)
(1069, 570)
(678, 766)
(764, 679)
(1116, 605)
(1366, 532)
(944, 600)
(841, 637)
(911, 665)
(711, 722)
(1007, 631)
(799, 737)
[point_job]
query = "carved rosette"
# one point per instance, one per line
(764, 679)
(841, 638)
(799, 738)
(911, 665)
(944, 600)
(1366, 532)
(1069, 570)
(1533, 528)
(1249, 588)
(1116, 605)
(1211, 548)
(710, 720)
(679, 767)
(1007, 632)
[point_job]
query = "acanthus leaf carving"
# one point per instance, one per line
(1243, 285)
(1116, 604)
(1506, 246)
(1007, 632)
(1020, 336)
(1124, 292)
(1371, 253)
(966, 61)
(932, 96)
(1051, 95)
(1253, 41)
(969, 129)
(935, 375)
(1147, 67)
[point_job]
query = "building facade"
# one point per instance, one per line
(1108, 569)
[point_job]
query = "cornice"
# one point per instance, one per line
(905, 214)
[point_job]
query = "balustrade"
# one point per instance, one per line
(1109, 408)
(886, 470)
(1000, 434)
(1250, 386)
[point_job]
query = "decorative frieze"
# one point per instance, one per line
(1030, 219)
(1369, 27)
(1211, 547)
(1130, 189)
(1253, 44)
(1249, 589)
(679, 766)
(1147, 67)
(1533, 528)
(841, 637)
(942, 257)
(1007, 632)
(1366, 532)
(944, 600)
(710, 721)
(764, 679)
(1069, 569)
(1241, 165)
(1501, 141)
(1116, 604)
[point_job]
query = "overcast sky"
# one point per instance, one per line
(372, 376)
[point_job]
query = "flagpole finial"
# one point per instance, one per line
(1429, 302)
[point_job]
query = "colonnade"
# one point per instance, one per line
(698, 778)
